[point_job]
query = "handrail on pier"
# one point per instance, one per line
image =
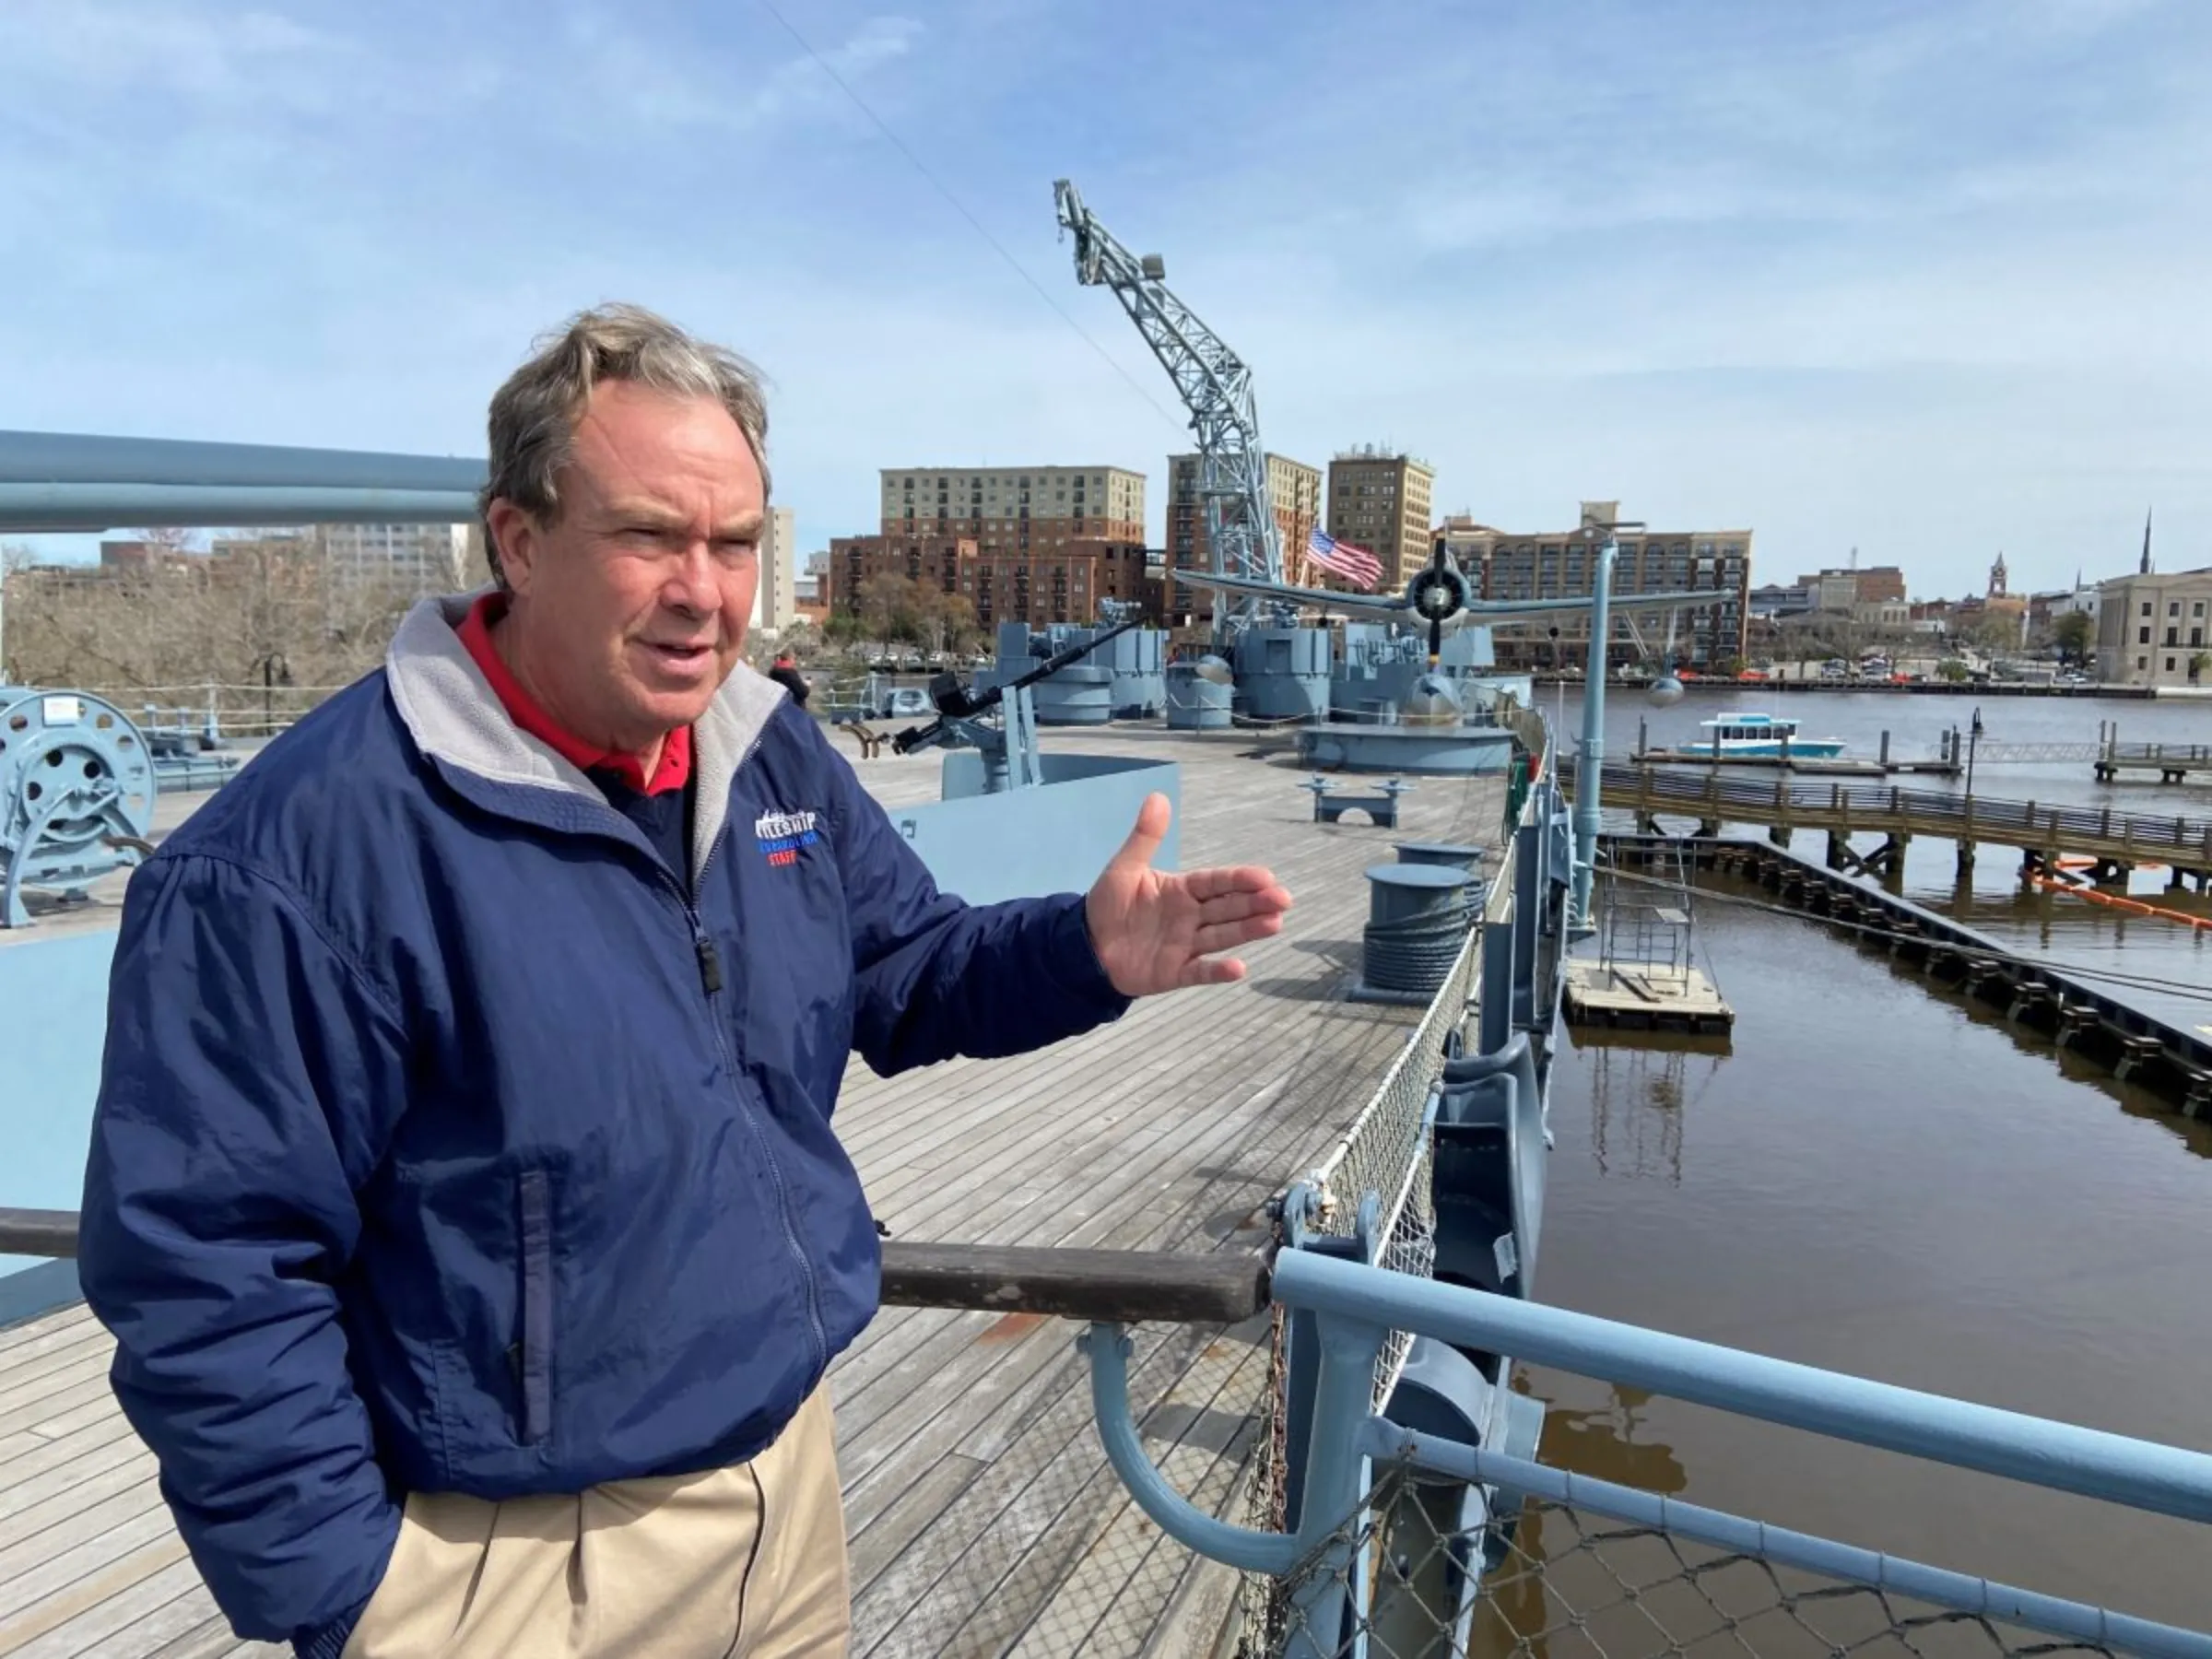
(38, 1232)
(1115, 1286)
(1356, 1305)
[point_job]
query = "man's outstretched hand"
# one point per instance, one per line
(1159, 931)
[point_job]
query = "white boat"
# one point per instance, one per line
(1740, 734)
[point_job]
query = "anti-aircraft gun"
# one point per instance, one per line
(1009, 748)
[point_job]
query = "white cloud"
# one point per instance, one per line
(1922, 280)
(668, 84)
(189, 52)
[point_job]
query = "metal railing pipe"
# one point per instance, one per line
(88, 507)
(1240, 1547)
(1126, 1287)
(2140, 1474)
(83, 458)
(1386, 1442)
(38, 1232)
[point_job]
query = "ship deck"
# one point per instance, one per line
(983, 1517)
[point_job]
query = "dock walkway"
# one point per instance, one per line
(2045, 832)
(983, 1519)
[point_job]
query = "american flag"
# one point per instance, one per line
(1355, 565)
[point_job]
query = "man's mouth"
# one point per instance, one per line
(680, 654)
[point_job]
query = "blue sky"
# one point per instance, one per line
(1928, 279)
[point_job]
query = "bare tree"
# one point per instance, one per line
(262, 631)
(168, 538)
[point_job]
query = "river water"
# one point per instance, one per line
(2057, 925)
(1876, 1178)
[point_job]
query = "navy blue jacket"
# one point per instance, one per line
(451, 1141)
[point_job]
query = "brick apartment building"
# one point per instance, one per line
(1015, 508)
(1021, 544)
(1293, 491)
(1561, 564)
(1065, 583)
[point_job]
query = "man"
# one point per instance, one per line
(462, 1194)
(784, 671)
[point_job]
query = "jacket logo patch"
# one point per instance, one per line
(782, 834)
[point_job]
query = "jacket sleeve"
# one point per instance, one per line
(938, 977)
(218, 1209)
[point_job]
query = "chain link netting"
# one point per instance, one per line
(1537, 1578)
(1559, 1583)
(1385, 1152)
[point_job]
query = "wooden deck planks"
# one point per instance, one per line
(983, 1517)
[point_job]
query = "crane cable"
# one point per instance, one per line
(960, 208)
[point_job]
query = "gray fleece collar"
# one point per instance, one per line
(454, 715)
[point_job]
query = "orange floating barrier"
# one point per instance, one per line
(2120, 901)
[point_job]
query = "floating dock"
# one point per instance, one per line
(1626, 997)
(1833, 767)
(2041, 1001)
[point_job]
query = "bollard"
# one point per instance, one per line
(1452, 855)
(1416, 924)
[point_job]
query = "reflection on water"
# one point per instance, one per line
(1641, 1085)
(1613, 1441)
(1553, 1577)
(1879, 1178)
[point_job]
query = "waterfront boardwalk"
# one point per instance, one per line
(2172, 762)
(2119, 839)
(983, 1517)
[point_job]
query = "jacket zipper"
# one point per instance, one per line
(710, 981)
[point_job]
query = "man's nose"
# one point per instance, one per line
(691, 583)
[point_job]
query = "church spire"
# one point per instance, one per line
(2144, 569)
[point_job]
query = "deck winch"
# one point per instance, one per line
(77, 794)
(1455, 856)
(1418, 918)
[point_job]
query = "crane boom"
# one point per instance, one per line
(1214, 387)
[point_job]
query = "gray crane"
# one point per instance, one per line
(1216, 387)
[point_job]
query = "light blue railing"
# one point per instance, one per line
(1356, 1305)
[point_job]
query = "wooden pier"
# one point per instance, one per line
(2117, 842)
(983, 1516)
(1945, 762)
(2174, 762)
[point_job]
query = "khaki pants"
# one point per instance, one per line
(747, 1562)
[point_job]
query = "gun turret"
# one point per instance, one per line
(957, 700)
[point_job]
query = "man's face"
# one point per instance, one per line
(631, 610)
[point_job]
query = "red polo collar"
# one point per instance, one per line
(674, 769)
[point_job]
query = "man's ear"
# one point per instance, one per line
(514, 532)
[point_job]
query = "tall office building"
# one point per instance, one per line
(1380, 500)
(776, 599)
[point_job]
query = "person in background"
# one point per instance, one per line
(784, 671)
(462, 1193)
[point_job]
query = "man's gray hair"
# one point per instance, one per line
(534, 416)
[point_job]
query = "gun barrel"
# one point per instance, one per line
(1049, 666)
